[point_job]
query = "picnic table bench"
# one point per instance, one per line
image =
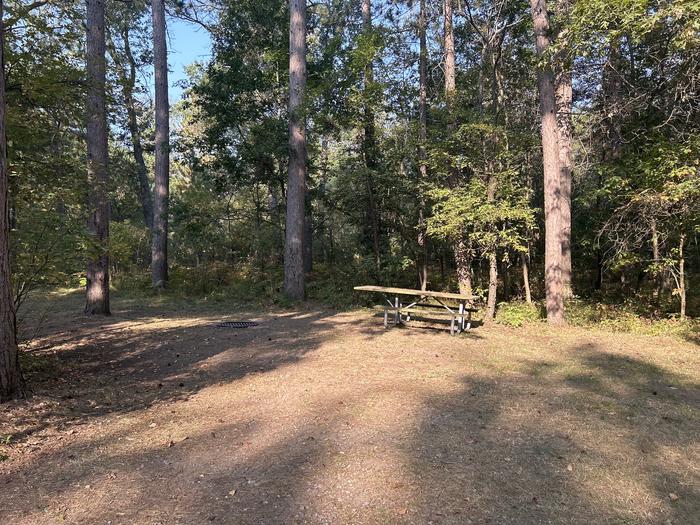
(460, 315)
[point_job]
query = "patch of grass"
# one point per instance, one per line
(617, 318)
(38, 364)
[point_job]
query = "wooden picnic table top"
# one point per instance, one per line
(410, 291)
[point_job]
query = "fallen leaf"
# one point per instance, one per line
(673, 497)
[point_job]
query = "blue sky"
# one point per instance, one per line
(187, 43)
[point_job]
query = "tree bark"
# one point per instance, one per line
(450, 67)
(681, 276)
(491, 299)
(461, 248)
(463, 262)
(10, 376)
(657, 258)
(526, 277)
(97, 288)
(159, 246)
(564, 94)
(128, 81)
(294, 283)
(369, 144)
(423, 123)
(550, 157)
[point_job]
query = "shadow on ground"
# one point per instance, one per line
(315, 417)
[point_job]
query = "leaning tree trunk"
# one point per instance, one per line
(10, 376)
(564, 94)
(128, 81)
(296, 186)
(422, 157)
(159, 246)
(97, 289)
(550, 156)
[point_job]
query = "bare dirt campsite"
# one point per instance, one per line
(349, 262)
(157, 416)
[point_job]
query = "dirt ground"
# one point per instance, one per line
(156, 416)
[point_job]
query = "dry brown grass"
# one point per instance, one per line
(154, 416)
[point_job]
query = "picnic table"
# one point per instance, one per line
(460, 315)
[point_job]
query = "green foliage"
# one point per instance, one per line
(517, 314)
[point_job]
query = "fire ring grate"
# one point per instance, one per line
(237, 324)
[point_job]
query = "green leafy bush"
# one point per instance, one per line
(518, 313)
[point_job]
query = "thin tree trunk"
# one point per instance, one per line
(10, 376)
(369, 145)
(526, 277)
(681, 276)
(656, 257)
(564, 95)
(294, 284)
(450, 67)
(491, 299)
(490, 313)
(128, 81)
(423, 118)
(97, 288)
(550, 156)
(159, 247)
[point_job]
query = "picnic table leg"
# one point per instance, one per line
(386, 317)
(461, 316)
(397, 315)
(469, 320)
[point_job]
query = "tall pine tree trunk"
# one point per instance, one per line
(461, 247)
(128, 82)
(550, 156)
(97, 289)
(161, 187)
(564, 94)
(10, 377)
(294, 285)
(422, 156)
(369, 145)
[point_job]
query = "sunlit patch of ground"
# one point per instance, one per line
(157, 416)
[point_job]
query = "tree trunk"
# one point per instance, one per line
(97, 288)
(657, 258)
(461, 249)
(369, 145)
(128, 81)
(10, 376)
(681, 276)
(550, 157)
(493, 257)
(564, 95)
(526, 277)
(294, 285)
(463, 262)
(423, 118)
(159, 247)
(493, 288)
(450, 67)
